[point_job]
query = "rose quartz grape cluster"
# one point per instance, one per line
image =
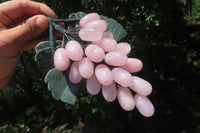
(105, 66)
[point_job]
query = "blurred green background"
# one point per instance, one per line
(164, 34)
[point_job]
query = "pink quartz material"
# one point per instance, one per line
(125, 98)
(74, 50)
(122, 77)
(90, 34)
(94, 53)
(74, 75)
(123, 47)
(61, 60)
(144, 105)
(133, 65)
(86, 68)
(107, 44)
(93, 85)
(107, 34)
(116, 58)
(141, 86)
(88, 18)
(109, 92)
(99, 24)
(104, 74)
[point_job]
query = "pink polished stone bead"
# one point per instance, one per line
(93, 85)
(133, 65)
(115, 58)
(141, 86)
(99, 24)
(125, 98)
(122, 77)
(74, 50)
(109, 92)
(94, 53)
(104, 74)
(107, 44)
(88, 18)
(107, 34)
(144, 105)
(74, 75)
(123, 47)
(61, 60)
(90, 34)
(86, 68)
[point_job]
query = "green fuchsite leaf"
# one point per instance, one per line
(43, 55)
(59, 86)
(69, 94)
(114, 27)
(77, 15)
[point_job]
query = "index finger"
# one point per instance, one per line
(12, 10)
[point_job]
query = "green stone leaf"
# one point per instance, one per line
(69, 95)
(114, 27)
(40, 46)
(77, 15)
(73, 16)
(60, 88)
(43, 55)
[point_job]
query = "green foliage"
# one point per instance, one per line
(115, 28)
(194, 17)
(18, 128)
(44, 56)
(59, 87)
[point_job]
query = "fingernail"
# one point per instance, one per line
(40, 22)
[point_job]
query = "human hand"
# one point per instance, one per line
(20, 22)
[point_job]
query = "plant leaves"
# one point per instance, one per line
(60, 88)
(77, 15)
(44, 56)
(114, 27)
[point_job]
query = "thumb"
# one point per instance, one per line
(28, 30)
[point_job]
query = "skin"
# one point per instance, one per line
(20, 22)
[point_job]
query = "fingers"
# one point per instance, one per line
(13, 10)
(27, 31)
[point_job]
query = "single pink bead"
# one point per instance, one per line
(141, 86)
(109, 92)
(125, 98)
(94, 53)
(61, 60)
(133, 65)
(74, 75)
(122, 77)
(97, 24)
(107, 44)
(116, 58)
(86, 68)
(104, 74)
(107, 34)
(123, 47)
(93, 85)
(90, 34)
(144, 105)
(74, 50)
(87, 18)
